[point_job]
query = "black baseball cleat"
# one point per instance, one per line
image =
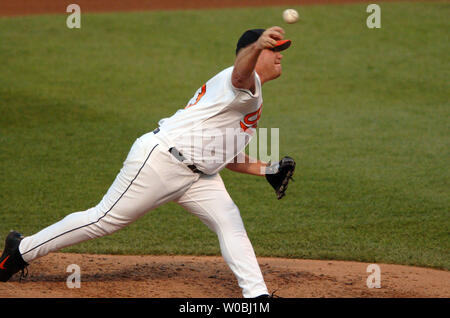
(11, 260)
(272, 295)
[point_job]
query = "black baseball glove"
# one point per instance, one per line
(279, 174)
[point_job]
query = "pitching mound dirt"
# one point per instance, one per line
(111, 276)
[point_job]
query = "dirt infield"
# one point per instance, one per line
(112, 276)
(25, 7)
(203, 277)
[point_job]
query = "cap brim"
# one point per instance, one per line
(282, 45)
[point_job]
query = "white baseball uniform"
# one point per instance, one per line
(152, 176)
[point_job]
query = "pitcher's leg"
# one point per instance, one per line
(208, 199)
(138, 188)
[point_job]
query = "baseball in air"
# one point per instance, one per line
(290, 15)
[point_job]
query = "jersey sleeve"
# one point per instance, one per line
(247, 91)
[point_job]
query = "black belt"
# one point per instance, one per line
(174, 151)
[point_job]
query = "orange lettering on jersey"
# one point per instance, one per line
(251, 119)
(199, 96)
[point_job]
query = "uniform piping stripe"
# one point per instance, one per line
(105, 212)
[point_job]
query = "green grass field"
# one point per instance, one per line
(364, 112)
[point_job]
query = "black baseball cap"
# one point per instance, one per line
(251, 36)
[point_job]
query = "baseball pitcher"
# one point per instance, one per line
(174, 163)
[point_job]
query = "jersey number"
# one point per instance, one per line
(199, 96)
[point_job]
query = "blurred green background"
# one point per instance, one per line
(365, 112)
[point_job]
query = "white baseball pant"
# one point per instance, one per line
(150, 177)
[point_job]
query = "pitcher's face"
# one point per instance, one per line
(268, 65)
